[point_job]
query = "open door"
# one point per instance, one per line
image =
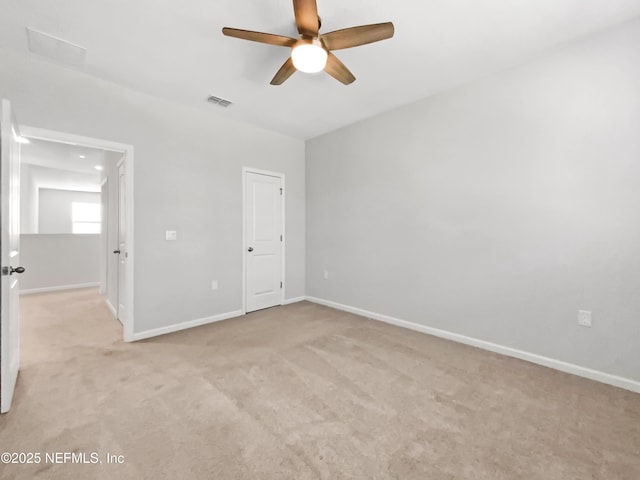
(122, 244)
(10, 255)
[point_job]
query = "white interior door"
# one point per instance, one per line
(10, 247)
(263, 218)
(122, 244)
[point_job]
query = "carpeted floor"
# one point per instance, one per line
(300, 392)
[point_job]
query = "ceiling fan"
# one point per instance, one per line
(312, 51)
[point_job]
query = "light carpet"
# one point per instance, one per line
(300, 392)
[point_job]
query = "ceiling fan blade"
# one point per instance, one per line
(306, 12)
(337, 70)
(285, 72)
(354, 36)
(269, 38)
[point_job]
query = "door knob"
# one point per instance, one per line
(17, 270)
(116, 251)
(250, 249)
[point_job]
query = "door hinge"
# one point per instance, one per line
(280, 284)
(280, 237)
(280, 191)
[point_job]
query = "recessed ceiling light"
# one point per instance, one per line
(22, 140)
(82, 156)
(98, 167)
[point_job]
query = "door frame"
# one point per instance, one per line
(120, 164)
(104, 237)
(283, 249)
(127, 150)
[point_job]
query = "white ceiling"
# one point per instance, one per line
(62, 156)
(175, 50)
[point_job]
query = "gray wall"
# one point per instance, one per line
(55, 207)
(28, 200)
(36, 177)
(188, 177)
(59, 260)
(496, 210)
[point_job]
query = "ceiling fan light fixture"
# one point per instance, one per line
(312, 51)
(309, 57)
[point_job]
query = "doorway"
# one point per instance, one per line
(113, 209)
(264, 242)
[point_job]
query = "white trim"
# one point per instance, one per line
(289, 301)
(70, 139)
(104, 236)
(31, 291)
(616, 381)
(184, 325)
(127, 150)
(268, 173)
(111, 308)
(244, 244)
(283, 246)
(59, 235)
(283, 250)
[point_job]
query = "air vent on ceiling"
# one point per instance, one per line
(219, 101)
(55, 48)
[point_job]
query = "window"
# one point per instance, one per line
(85, 217)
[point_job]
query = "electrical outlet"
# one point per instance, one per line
(584, 318)
(326, 275)
(171, 235)
(214, 284)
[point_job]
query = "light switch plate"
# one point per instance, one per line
(171, 235)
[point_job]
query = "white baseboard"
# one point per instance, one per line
(289, 301)
(111, 308)
(616, 381)
(184, 325)
(59, 288)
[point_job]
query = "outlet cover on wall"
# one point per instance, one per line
(171, 235)
(584, 318)
(326, 275)
(214, 284)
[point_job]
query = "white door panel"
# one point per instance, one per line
(10, 253)
(264, 206)
(266, 278)
(263, 240)
(122, 244)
